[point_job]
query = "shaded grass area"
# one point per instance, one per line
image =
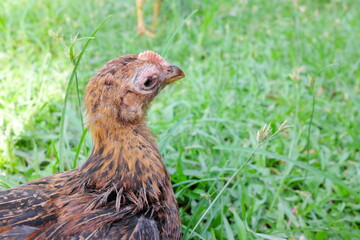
(247, 63)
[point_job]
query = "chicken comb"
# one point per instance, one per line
(150, 56)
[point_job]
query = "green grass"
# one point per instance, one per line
(247, 63)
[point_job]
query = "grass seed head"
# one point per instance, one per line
(296, 74)
(283, 127)
(263, 133)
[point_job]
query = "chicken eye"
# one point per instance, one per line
(150, 82)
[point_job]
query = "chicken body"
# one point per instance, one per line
(123, 190)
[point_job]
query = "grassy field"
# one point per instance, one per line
(247, 63)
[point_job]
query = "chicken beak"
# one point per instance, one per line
(175, 73)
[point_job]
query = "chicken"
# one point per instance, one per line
(123, 190)
(140, 17)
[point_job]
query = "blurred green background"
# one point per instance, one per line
(247, 63)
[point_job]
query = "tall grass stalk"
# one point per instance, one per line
(62, 150)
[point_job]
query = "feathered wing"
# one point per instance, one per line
(18, 233)
(91, 226)
(29, 207)
(21, 211)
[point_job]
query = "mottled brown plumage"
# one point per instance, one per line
(123, 190)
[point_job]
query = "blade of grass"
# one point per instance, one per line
(312, 83)
(79, 102)
(176, 31)
(82, 139)
(73, 60)
(193, 182)
(242, 233)
(228, 230)
(62, 122)
(196, 234)
(266, 236)
(56, 156)
(311, 117)
(6, 183)
(36, 158)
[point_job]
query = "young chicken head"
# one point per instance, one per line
(122, 89)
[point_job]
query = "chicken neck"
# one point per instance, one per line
(125, 157)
